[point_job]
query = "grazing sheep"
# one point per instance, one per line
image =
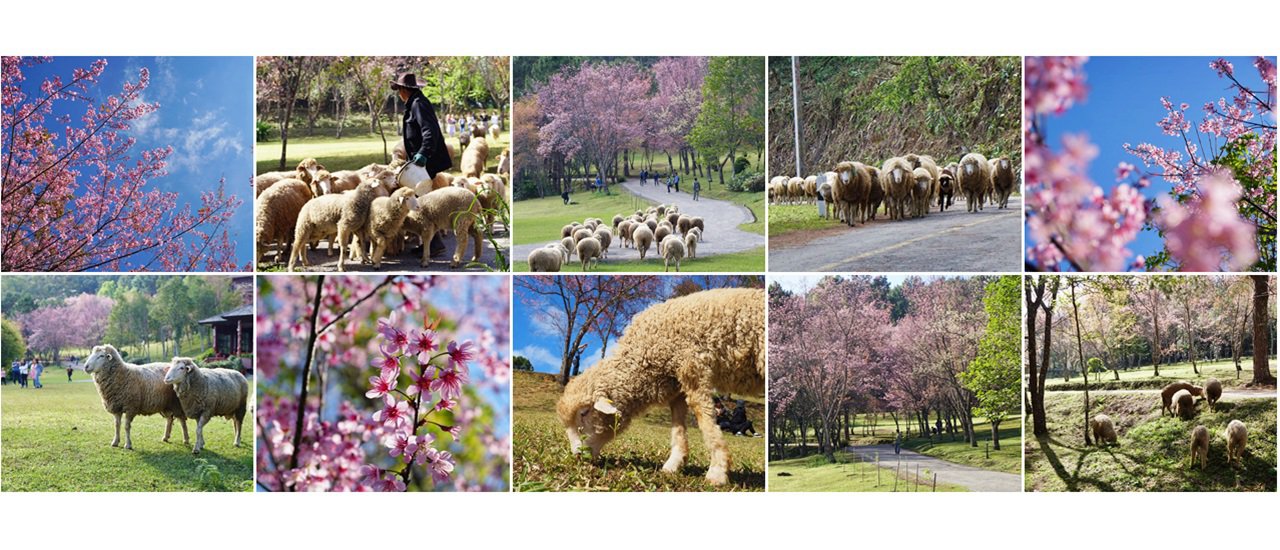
(206, 393)
(449, 209)
(1166, 394)
(850, 192)
(589, 252)
(691, 244)
(672, 250)
(677, 353)
(131, 390)
(386, 217)
(641, 238)
(547, 259)
(354, 223)
(275, 213)
(896, 177)
(1213, 391)
(1237, 439)
(946, 188)
(974, 177)
(1184, 405)
(317, 220)
(1200, 446)
(603, 235)
(1104, 432)
(1002, 181)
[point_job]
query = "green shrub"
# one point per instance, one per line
(741, 164)
(262, 131)
(750, 182)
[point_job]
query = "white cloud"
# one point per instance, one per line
(206, 136)
(542, 358)
(547, 322)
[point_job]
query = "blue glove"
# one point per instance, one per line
(419, 160)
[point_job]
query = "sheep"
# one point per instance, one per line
(651, 223)
(305, 171)
(920, 192)
(661, 234)
(673, 218)
(493, 131)
(275, 213)
(547, 259)
(558, 246)
(895, 178)
(696, 233)
(1200, 446)
(567, 230)
(131, 390)
(1237, 439)
(850, 191)
(449, 209)
(691, 244)
(974, 177)
(946, 187)
(1002, 181)
(474, 157)
(354, 223)
(581, 233)
(504, 162)
(624, 232)
(810, 188)
(603, 235)
(660, 211)
(206, 393)
(824, 192)
(641, 238)
(777, 189)
(589, 252)
(672, 249)
(876, 196)
(1184, 406)
(1213, 391)
(684, 223)
(1104, 431)
(675, 353)
(1166, 394)
(317, 220)
(386, 217)
(617, 219)
(698, 223)
(795, 190)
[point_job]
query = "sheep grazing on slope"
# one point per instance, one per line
(677, 353)
(589, 252)
(386, 218)
(672, 250)
(1200, 446)
(547, 259)
(1213, 391)
(896, 177)
(1166, 394)
(474, 157)
(450, 209)
(206, 393)
(275, 213)
(642, 238)
(354, 223)
(1104, 431)
(1002, 181)
(974, 178)
(131, 390)
(1237, 439)
(1184, 405)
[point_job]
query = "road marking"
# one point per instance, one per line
(835, 265)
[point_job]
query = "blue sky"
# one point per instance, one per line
(205, 114)
(1123, 106)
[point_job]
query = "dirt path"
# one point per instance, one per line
(406, 261)
(975, 479)
(721, 219)
(955, 240)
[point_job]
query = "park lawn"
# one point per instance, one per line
(847, 474)
(631, 462)
(539, 221)
(353, 151)
(786, 218)
(59, 439)
(734, 262)
(190, 348)
(1153, 449)
(1008, 459)
(1144, 377)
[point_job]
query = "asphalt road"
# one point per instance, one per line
(975, 479)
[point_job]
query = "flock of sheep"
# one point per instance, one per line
(677, 237)
(905, 185)
(1178, 399)
(176, 390)
(372, 211)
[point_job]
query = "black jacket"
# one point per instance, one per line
(422, 134)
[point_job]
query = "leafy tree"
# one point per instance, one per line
(522, 363)
(732, 116)
(12, 346)
(993, 376)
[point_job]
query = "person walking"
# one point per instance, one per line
(39, 370)
(71, 368)
(669, 182)
(897, 442)
(697, 188)
(676, 179)
(643, 176)
(423, 141)
(24, 370)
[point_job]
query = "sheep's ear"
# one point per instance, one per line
(605, 406)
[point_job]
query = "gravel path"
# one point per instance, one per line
(975, 479)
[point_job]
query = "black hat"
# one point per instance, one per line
(406, 80)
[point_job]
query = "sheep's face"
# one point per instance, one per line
(99, 359)
(179, 370)
(324, 183)
(595, 425)
(308, 169)
(846, 175)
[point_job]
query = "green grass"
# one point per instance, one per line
(540, 220)
(191, 347)
(1153, 452)
(754, 201)
(352, 152)
(59, 439)
(846, 474)
(1144, 377)
(734, 262)
(786, 218)
(631, 462)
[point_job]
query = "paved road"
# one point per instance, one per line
(721, 219)
(975, 479)
(955, 240)
(407, 261)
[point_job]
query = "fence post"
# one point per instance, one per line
(935, 482)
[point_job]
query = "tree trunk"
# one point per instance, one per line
(1261, 336)
(1075, 310)
(995, 435)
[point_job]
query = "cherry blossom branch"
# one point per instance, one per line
(306, 375)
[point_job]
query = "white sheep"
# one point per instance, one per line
(474, 157)
(672, 250)
(131, 390)
(354, 223)
(449, 209)
(1237, 439)
(642, 238)
(206, 393)
(603, 235)
(547, 259)
(275, 213)
(569, 246)
(386, 217)
(317, 220)
(691, 244)
(589, 252)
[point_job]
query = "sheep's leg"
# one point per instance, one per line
(425, 237)
(379, 246)
(200, 434)
(168, 429)
(704, 410)
(186, 439)
(239, 421)
(128, 431)
(342, 250)
(679, 440)
(115, 442)
(477, 242)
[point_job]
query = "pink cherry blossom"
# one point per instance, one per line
(380, 385)
(448, 383)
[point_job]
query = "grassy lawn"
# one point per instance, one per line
(846, 474)
(352, 151)
(540, 220)
(734, 262)
(1153, 450)
(59, 439)
(785, 218)
(754, 201)
(1144, 377)
(631, 462)
(153, 351)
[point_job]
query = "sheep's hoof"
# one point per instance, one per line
(195, 451)
(717, 476)
(115, 443)
(165, 440)
(454, 265)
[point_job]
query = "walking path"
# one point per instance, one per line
(975, 479)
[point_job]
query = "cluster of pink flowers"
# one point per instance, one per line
(1207, 233)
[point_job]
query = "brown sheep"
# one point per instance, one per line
(974, 177)
(474, 157)
(701, 225)
(1166, 394)
(795, 190)
(922, 184)
(876, 197)
(449, 209)
(1237, 439)
(1184, 405)
(1104, 431)
(1200, 446)
(683, 224)
(1002, 181)
(946, 187)
(850, 191)
(896, 178)
(1213, 391)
